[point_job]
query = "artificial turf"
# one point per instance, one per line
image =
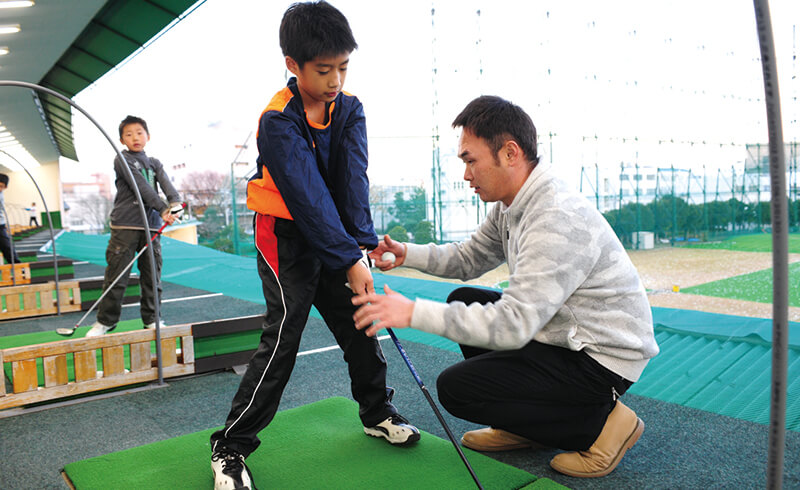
(755, 286)
(319, 445)
(756, 242)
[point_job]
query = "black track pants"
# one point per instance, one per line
(551, 395)
(293, 279)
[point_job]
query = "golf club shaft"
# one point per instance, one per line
(111, 286)
(428, 397)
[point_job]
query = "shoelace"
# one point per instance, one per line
(398, 419)
(231, 462)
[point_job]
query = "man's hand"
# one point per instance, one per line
(389, 245)
(376, 312)
(359, 278)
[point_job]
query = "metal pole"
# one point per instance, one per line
(135, 189)
(780, 253)
(233, 196)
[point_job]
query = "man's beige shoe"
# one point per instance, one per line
(490, 439)
(623, 428)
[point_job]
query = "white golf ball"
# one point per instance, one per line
(388, 256)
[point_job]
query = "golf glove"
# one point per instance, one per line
(176, 209)
(366, 259)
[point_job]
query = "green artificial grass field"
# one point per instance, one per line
(755, 286)
(319, 445)
(757, 242)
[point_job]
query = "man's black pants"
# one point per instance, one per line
(5, 247)
(293, 278)
(548, 394)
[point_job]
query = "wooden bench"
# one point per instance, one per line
(39, 299)
(58, 379)
(21, 274)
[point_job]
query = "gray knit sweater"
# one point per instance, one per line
(571, 282)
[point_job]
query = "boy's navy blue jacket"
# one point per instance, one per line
(316, 175)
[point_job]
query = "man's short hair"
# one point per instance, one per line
(497, 120)
(4, 179)
(312, 29)
(133, 120)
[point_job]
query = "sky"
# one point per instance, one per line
(652, 83)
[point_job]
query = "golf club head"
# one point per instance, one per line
(66, 332)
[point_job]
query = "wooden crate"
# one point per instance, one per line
(21, 274)
(39, 299)
(27, 386)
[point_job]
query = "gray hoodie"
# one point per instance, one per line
(147, 172)
(571, 282)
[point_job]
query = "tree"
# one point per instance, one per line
(410, 211)
(204, 189)
(94, 210)
(423, 233)
(398, 234)
(379, 206)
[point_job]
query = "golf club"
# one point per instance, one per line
(433, 405)
(67, 332)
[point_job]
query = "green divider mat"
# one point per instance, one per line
(320, 445)
(93, 294)
(51, 271)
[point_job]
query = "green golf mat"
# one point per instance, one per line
(320, 445)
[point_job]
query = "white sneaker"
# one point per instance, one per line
(230, 472)
(99, 329)
(152, 326)
(394, 429)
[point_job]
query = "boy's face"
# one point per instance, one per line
(134, 137)
(321, 79)
(2, 187)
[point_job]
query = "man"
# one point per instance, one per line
(6, 246)
(547, 359)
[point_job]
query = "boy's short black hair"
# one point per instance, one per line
(4, 179)
(312, 29)
(133, 120)
(497, 120)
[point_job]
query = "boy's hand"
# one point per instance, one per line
(359, 279)
(376, 312)
(168, 217)
(389, 245)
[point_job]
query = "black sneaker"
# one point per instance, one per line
(229, 469)
(394, 429)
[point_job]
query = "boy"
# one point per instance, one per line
(128, 235)
(34, 221)
(5, 239)
(312, 229)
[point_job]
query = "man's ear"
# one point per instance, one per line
(292, 65)
(511, 151)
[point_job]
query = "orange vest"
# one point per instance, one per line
(263, 196)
